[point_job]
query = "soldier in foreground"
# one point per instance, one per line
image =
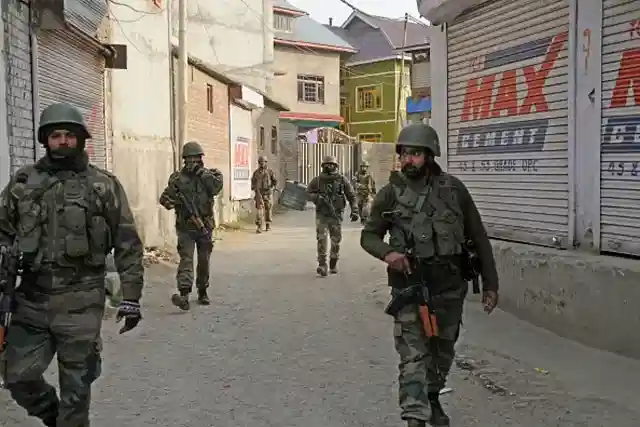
(191, 193)
(365, 189)
(427, 214)
(329, 191)
(263, 182)
(65, 216)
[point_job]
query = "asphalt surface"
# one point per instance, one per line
(282, 347)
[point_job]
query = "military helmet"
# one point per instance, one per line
(192, 148)
(420, 136)
(329, 160)
(262, 159)
(364, 163)
(59, 114)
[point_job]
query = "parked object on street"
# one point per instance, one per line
(294, 196)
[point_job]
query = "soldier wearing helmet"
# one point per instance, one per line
(263, 182)
(65, 215)
(191, 192)
(365, 189)
(330, 191)
(430, 217)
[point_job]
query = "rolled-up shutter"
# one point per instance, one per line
(71, 69)
(508, 116)
(620, 150)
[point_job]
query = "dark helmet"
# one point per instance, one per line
(420, 136)
(329, 160)
(192, 148)
(262, 159)
(59, 114)
(364, 164)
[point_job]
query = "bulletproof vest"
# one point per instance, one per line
(194, 190)
(432, 218)
(263, 180)
(332, 187)
(62, 218)
(363, 183)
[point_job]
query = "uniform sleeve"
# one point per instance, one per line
(475, 231)
(254, 181)
(8, 216)
(168, 198)
(274, 181)
(126, 243)
(313, 190)
(374, 230)
(350, 194)
(213, 181)
(373, 185)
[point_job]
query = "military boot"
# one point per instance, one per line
(415, 423)
(258, 229)
(268, 227)
(203, 298)
(438, 417)
(322, 268)
(181, 300)
(333, 265)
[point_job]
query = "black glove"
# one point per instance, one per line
(354, 216)
(130, 312)
(199, 170)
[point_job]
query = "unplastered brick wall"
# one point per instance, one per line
(16, 17)
(208, 123)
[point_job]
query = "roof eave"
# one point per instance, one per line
(318, 46)
(291, 12)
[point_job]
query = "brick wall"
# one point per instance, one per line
(211, 128)
(19, 90)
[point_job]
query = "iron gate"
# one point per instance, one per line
(311, 154)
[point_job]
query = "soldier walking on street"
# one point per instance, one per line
(328, 191)
(263, 182)
(365, 189)
(65, 215)
(191, 193)
(428, 214)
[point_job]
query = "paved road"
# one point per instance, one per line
(280, 347)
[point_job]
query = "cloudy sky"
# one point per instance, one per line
(322, 10)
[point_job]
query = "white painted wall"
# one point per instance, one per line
(234, 36)
(138, 104)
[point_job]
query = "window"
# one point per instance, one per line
(369, 98)
(261, 138)
(274, 140)
(209, 98)
(311, 89)
(369, 137)
(282, 23)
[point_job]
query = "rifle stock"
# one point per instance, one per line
(10, 270)
(192, 215)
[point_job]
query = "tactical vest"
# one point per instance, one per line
(62, 218)
(263, 180)
(332, 187)
(194, 190)
(363, 183)
(432, 218)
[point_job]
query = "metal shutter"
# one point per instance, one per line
(508, 116)
(421, 74)
(71, 70)
(620, 150)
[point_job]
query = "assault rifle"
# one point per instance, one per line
(418, 290)
(194, 216)
(326, 201)
(10, 270)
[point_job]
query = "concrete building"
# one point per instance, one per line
(539, 117)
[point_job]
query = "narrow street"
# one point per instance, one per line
(282, 347)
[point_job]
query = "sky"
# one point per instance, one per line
(322, 10)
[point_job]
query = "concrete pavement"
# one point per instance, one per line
(281, 347)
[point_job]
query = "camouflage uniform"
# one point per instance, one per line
(263, 182)
(437, 212)
(328, 191)
(365, 189)
(66, 216)
(198, 185)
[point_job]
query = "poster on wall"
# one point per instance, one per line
(240, 168)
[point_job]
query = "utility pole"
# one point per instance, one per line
(182, 77)
(399, 123)
(172, 88)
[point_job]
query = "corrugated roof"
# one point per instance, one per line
(394, 30)
(307, 30)
(284, 4)
(370, 45)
